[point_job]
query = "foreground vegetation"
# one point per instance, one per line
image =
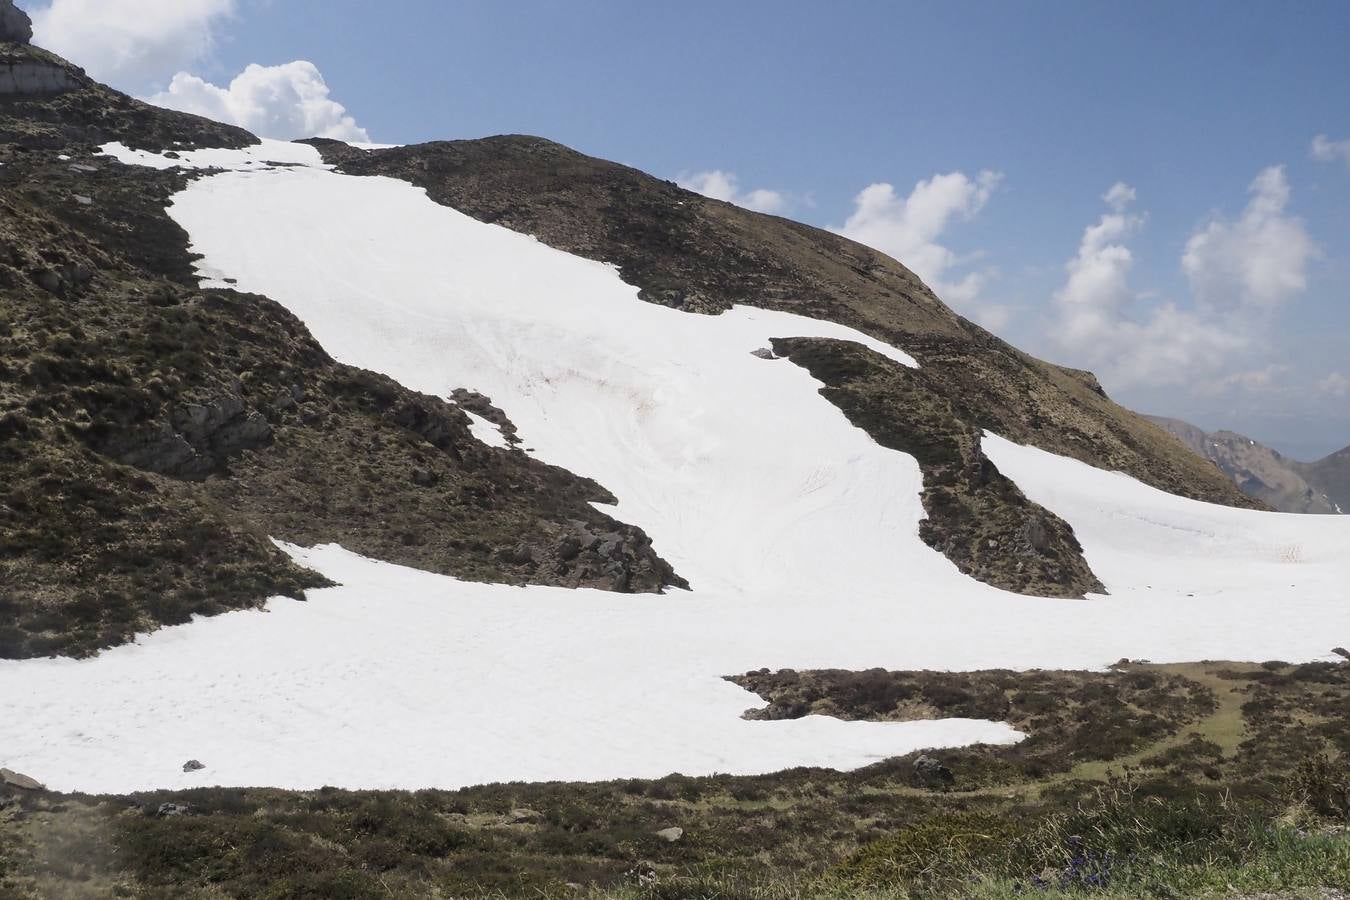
(1207, 779)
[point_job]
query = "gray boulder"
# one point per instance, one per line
(193, 765)
(167, 810)
(22, 782)
(670, 835)
(932, 772)
(15, 26)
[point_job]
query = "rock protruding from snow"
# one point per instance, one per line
(15, 26)
(22, 782)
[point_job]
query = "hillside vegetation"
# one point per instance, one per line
(1212, 779)
(155, 437)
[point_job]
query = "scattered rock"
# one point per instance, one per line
(933, 772)
(167, 810)
(193, 765)
(15, 26)
(764, 353)
(1342, 652)
(644, 873)
(22, 782)
(670, 835)
(82, 200)
(48, 280)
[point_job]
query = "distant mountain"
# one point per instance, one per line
(1265, 474)
(1330, 476)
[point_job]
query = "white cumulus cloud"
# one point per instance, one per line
(284, 102)
(722, 185)
(132, 44)
(1335, 384)
(1241, 272)
(1097, 322)
(1259, 260)
(1326, 150)
(908, 229)
(140, 45)
(1255, 381)
(1120, 196)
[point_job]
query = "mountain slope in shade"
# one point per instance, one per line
(1264, 473)
(1330, 476)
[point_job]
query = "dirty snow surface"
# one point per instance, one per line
(798, 534)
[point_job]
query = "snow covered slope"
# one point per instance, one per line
(797, 533)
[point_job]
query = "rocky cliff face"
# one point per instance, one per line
(15, 26)
(1258, 470)
(1330, 476)
(25, 69)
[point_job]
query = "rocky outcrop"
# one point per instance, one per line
(481, 405)
(193, 441)
(15, 26)
(23, 782)
(976, 517)
(1330, 477)
(28, 76)
(22, 70)
(932, 773)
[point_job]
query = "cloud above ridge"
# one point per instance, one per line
(140, 46)
(130, 43)
(909, 228)
(1241, 272)
(722, 185)
(285, 102)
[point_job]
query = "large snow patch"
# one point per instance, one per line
(797, 532)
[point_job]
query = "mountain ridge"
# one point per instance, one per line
(187, 425)
(1286, 484)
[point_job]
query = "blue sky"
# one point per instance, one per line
(1215, 285)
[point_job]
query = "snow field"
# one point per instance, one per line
(796, 531)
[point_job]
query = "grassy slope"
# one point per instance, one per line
(1218, 777)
